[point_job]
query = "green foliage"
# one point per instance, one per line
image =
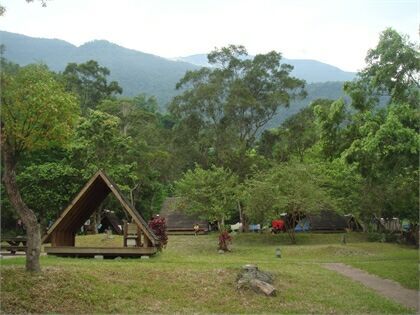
(99, 145)
(47, 188)
(287, 188)
(375, 237)
(36, 111)
(89, 81)
(329, 120)
(393, 67)
(293, 138)
(209, 193)
(380, 144)
(222, 109)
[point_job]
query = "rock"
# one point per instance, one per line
(221, 251)
(99, 257)
(252, 272)
(117, 258)
(144, 257)
(259, 281)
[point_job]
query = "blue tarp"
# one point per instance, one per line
(303, 225)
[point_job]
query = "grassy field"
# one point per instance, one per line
(191, 277)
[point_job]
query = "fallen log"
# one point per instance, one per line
(264, 287)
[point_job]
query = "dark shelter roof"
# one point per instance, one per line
(88, 200)
(327, 221)
(176, 219)
(353, 223)
(112, 221)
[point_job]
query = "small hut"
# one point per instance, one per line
(178, 222)
(63, 232)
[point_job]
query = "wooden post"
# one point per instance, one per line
(125, 233)
(147, 242)
(138, 240)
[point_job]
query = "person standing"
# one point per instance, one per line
(196, 229)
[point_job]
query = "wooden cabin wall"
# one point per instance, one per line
(62, 238)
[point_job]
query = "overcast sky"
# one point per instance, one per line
(336, 32)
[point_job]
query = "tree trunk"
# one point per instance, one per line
(28, 217)
(241, 217)
(290, 227)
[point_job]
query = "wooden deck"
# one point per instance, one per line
(108, 252)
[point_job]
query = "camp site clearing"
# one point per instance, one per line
(190, 276)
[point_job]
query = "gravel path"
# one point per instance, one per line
(387, 288)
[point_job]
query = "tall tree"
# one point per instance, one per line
(209, 193)
(378, 137)
(224, 108)
(36, 113)
(89, 81)
(392, 70)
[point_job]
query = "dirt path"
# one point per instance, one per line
(387, 288)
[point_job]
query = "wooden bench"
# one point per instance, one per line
(14, 244)
(132, 235)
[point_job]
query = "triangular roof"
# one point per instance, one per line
(88, 200)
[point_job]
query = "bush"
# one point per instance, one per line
(376, 237)
(383, 237)
(224, 240)
(158, 226)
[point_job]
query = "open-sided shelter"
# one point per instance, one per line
(325, 221)
(62, 233)
(178, 222)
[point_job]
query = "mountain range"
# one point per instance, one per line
(138, 72)
(311, 71)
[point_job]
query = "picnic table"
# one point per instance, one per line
(15, 244)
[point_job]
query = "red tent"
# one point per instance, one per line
(278, 225)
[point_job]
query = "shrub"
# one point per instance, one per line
(375, 237)
(158, 226)
(224, 240)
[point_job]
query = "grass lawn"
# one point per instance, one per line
(191, 277)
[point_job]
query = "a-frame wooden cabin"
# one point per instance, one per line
(62, 233)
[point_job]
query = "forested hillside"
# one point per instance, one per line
(138, 72)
